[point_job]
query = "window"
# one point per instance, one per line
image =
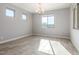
(23, 16)
(48, 21)
(9, 12)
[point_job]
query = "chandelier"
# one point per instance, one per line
(39, 8)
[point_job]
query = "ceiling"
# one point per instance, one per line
(31, 7)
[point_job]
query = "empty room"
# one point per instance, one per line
(39, 29)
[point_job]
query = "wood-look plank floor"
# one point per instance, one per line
(37, 45)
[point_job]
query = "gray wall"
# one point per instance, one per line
(62, 22)
(14, 27)
(74, 32)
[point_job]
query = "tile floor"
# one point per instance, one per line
(38, 45)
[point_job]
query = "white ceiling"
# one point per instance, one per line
(31, 7)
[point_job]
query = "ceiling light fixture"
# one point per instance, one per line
(39, 8)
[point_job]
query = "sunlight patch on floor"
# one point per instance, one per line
(45, 46)
(59, 48)
(49, 46)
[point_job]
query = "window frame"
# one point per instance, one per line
(11, 10)
(47, 21)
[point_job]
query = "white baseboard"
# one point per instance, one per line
(57, 36)
(14, 38)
